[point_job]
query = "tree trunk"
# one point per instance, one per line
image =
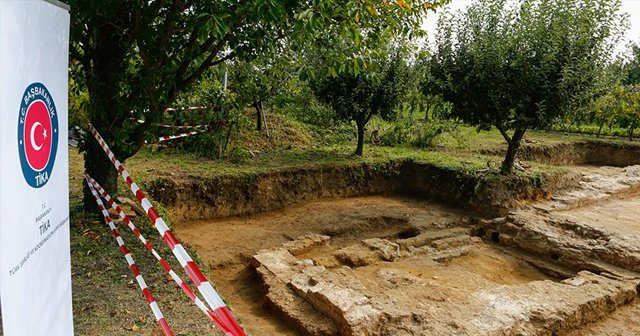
(509, 159)
(426, 112)
(107, 108)
(600, 129)
(258, 106)
(100, 168)
(360, 147)
(512, 151)
(105, 66)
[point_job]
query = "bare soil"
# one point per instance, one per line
(227, 245)
(622, 322)
(590, 152)
(593, 227)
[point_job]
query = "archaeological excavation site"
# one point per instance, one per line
(405, 248)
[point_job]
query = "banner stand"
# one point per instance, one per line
(35, 262)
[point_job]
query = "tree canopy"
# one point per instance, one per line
(359, 97)
(521, 65)
(261, 80)
(632, 67)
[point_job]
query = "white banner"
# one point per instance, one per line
(35, 269)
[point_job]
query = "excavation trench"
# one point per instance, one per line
(398, 265)
(344, 266)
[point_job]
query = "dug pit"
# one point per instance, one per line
(399, 266)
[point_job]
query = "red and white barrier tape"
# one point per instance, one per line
(190, 108)
(191, 268)
(179, 136)
(141, 121)
(185, 287)
(132, 264)
(181, 127)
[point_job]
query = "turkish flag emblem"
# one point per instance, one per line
(38, 135)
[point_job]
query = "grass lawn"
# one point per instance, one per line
(466, 154)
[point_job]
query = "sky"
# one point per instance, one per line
(632, 7)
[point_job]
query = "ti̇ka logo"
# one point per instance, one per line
(37, 135)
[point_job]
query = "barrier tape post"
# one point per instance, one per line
(132, 264)
(191, 268)
(183, 285)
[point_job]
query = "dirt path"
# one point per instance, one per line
(227, 245)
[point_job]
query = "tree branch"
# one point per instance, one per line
(209, 62)
(184, 65)
(503, 132)
(169, 27)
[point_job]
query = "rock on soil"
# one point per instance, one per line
(413, 290)
(593, 228)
